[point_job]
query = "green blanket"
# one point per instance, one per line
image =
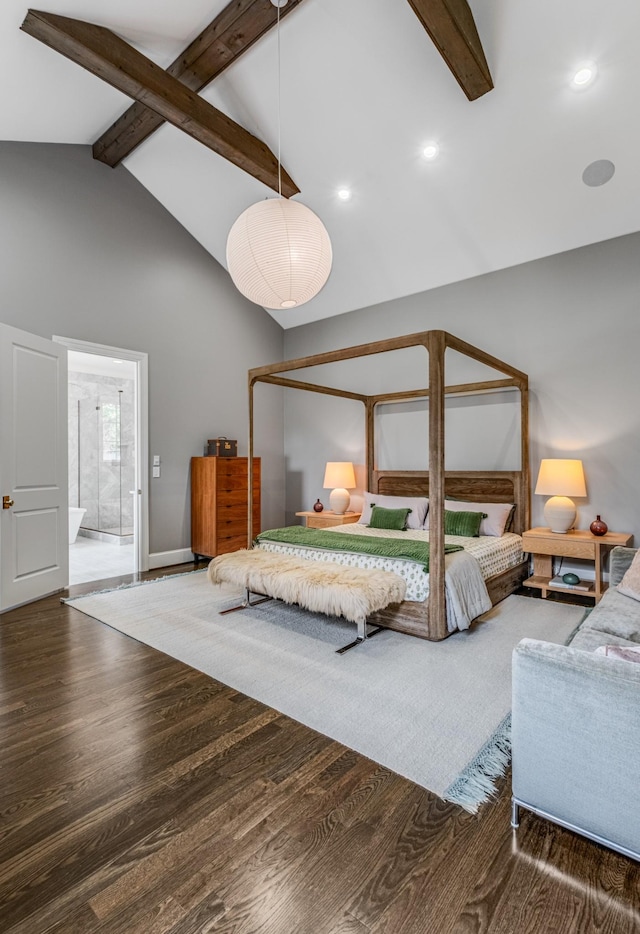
(409, 549)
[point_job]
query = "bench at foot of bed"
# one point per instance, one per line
(319, 586)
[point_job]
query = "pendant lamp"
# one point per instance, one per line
(278, 251)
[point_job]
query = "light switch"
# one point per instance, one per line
(156, 460)
(156, 471)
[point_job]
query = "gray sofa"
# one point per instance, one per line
(576, 724)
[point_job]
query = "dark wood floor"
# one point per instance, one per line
(141, 797)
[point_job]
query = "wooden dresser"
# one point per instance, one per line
(219, 499)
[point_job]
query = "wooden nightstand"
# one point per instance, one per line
(325, 519)
(544, 544)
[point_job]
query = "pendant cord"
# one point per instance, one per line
(279, 94)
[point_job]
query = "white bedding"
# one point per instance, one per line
(466, 571)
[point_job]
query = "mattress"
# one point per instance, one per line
(493, 554)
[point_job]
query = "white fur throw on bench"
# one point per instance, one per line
(319, 586)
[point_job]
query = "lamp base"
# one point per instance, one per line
(339, 500)
(560, 514)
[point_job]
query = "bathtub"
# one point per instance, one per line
(75, 518)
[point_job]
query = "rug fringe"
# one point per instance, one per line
(476, 784)
(153, 580)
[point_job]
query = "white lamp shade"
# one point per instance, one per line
(560, 477)
(279, 253)
(339, 474)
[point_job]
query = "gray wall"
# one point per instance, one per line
(571, 322)
(86, 252)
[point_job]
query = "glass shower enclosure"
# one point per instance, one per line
(102, 454)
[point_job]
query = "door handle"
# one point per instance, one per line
(7, 502)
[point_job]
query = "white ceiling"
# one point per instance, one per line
(99, 365)
(363, 90)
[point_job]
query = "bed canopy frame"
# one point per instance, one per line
(476, 486)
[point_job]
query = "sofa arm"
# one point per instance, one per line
(619, 563)
(576, 739)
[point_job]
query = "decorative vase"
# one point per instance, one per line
(318, 507)
(598, 527)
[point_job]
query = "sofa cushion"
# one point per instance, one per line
(616, 619)
(619, 562)
(630, 583)
(588, 640)
(615, 615)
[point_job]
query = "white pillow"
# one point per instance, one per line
(630, 583)
(417, 504)
(497, 514)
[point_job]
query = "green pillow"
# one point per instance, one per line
(382, 518)
(463, 523)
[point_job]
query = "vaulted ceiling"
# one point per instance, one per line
(365, 86)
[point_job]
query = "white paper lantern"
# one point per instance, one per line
(279, 253)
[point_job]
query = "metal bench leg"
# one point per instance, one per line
(363, 633)
(364, 630)
(248, 602)
(515, 813)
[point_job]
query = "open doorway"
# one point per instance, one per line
(107, 462)
(102, 461)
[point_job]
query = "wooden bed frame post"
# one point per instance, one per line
(370, 452)
(525, 488)
(250, 468)
(436, 345)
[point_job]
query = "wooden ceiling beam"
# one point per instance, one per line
(225, 39)
(109, 57)
(452, 29)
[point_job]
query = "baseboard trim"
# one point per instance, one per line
(163, 559)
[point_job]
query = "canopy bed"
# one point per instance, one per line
(427, 619)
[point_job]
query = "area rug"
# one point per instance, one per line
(436, 713)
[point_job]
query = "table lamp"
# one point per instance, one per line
(560, 479)
(339, 476)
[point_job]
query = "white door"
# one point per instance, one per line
(34, 520)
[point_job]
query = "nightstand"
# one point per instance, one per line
(544, 544)
(325, 519)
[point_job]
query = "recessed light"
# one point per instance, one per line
(344, 194)
(430, 152)
(584, 76)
